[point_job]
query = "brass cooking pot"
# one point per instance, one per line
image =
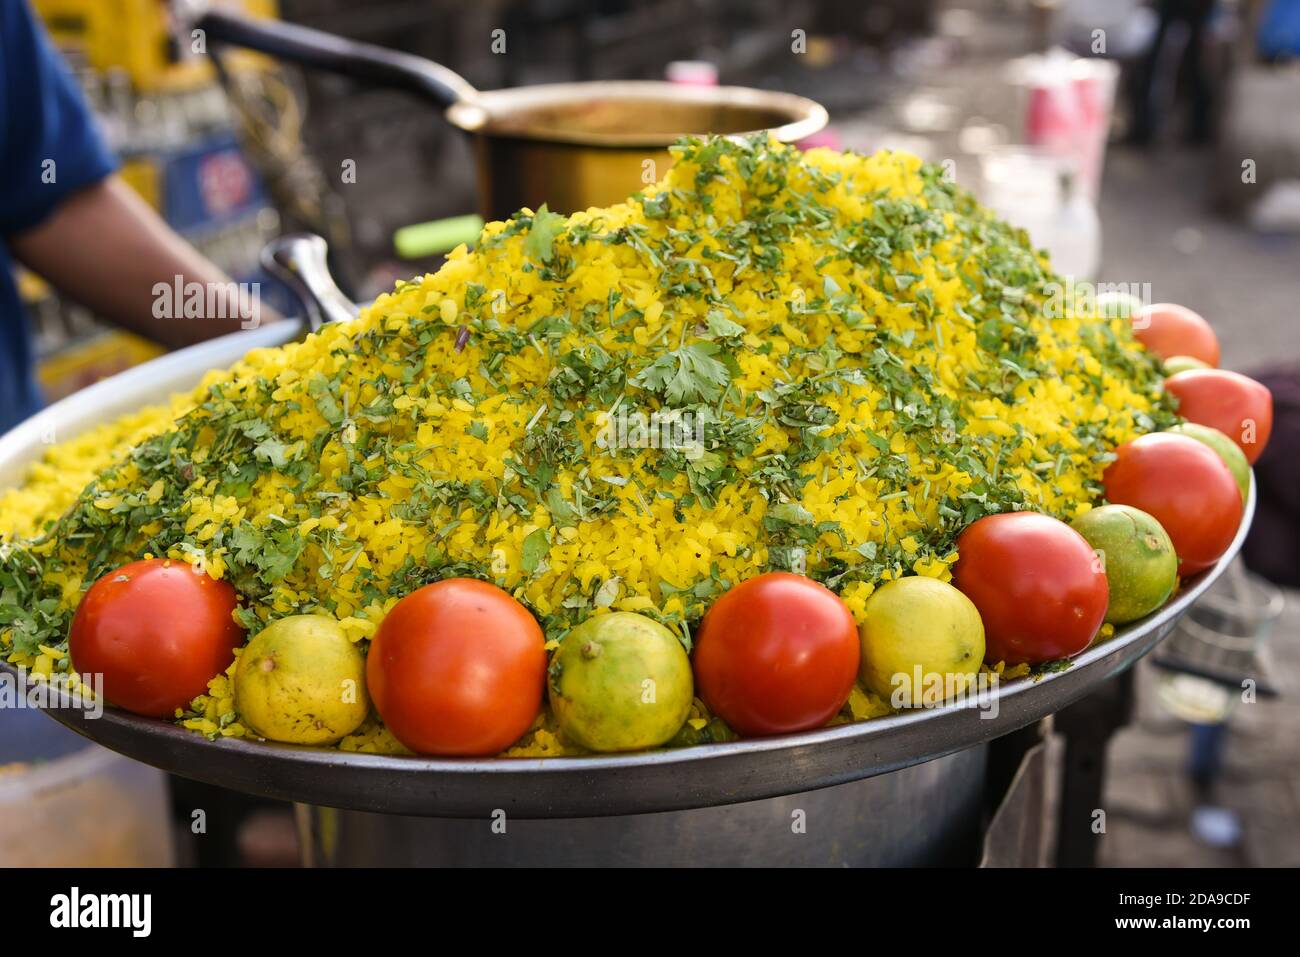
(569, 145)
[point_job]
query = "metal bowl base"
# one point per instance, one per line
(876, 822)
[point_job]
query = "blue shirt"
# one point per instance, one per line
(49, 148)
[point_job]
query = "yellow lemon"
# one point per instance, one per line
(922, 642)
(301, 681)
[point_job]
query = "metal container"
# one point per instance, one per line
(925, 815)
(569, 145)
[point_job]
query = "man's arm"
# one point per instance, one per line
(106, 248)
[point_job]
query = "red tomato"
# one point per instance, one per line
(776, 653)
(458, 668)
(1186, 486)
(157, 631)
(1170, 330)
(1236, 405)
(1038, 585)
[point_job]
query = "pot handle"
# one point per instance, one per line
(366, 62)
(298, 260)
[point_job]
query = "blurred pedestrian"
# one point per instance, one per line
(1194, 16)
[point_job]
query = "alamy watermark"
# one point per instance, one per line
(179, 299)
(665, 429)
(933, 689)
(52, 693)
(1110, 300)
(75, 909)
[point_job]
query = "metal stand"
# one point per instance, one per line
(1087, 727)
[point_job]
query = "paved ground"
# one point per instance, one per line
(1157, 229)
(1150, 799)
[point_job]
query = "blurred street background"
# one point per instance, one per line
(1155, 145)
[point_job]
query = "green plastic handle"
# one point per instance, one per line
(439, 236)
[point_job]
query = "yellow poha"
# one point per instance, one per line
(814, 361)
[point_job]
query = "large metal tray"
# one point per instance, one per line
(553, 787)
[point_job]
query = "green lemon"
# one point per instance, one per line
(301, 681)
(1177, 364)
(922, 642)
(1137, 556)
(620, 682)
(1227, 449)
